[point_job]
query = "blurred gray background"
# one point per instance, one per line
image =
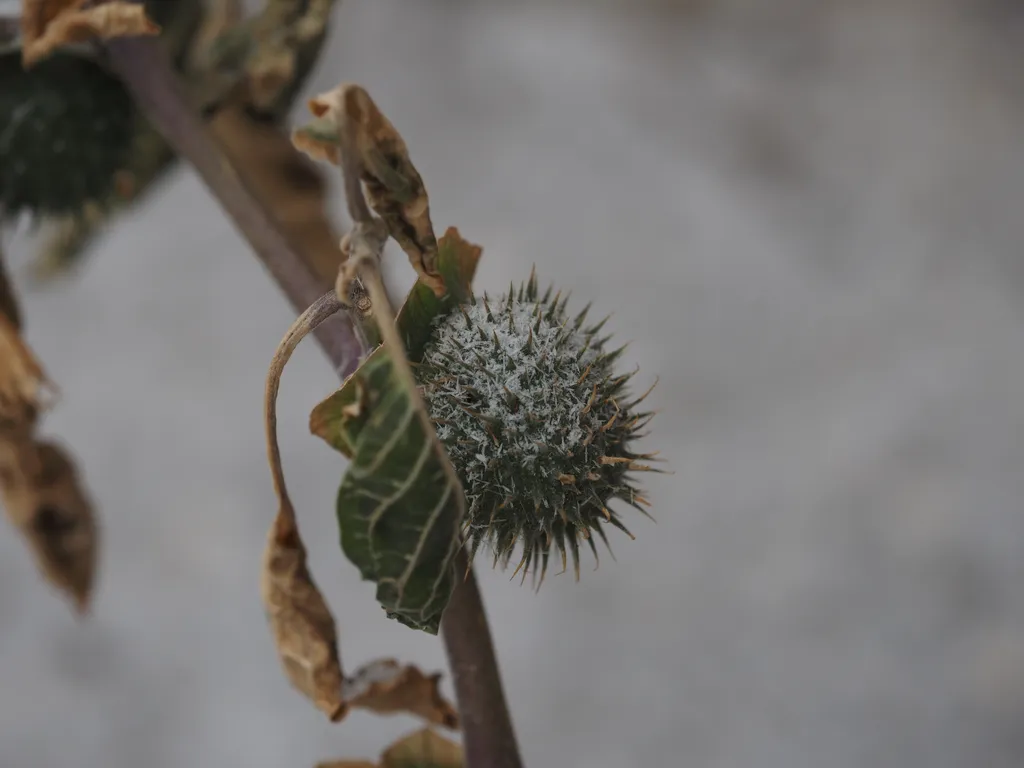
(807, 218)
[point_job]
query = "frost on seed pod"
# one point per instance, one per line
(537, 421)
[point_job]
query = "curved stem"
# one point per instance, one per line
(319, 311)
(487, 727)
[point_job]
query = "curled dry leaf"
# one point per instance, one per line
(8, 299)
(425, 747)
(421, 749)
(269, 74)
(386, 687)
(302, 624)
(49, 24)
(319, 139)
(24, 388)
(45, 501)
(349, 121)
(269, 53)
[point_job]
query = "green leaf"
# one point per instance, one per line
(399, 511)
(456, 261)
(338, 418)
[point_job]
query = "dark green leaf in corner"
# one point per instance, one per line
(399, 511)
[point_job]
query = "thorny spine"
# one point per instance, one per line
(538, 423)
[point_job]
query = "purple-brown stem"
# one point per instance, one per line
(142, 66)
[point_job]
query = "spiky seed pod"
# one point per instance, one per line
(66, 128)
(67, 125)
(537, 422)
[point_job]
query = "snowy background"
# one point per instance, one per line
(805, 215)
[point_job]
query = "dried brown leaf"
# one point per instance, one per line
(267, 56)
(8, 299)
(302, 624)
(271, 70)
(349, 121)
(46, 502)
(49, 24)
(319, 139)
(24, 387)
(422, 748)
(386, 687)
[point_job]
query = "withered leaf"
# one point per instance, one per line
(46, 502)
(24, 387)
(319, 139)
(386, 687)
(8, 299)
(394, 188)
(269, 53)
(49, 24)
(270, 72)
(302, 624)
(422, 749)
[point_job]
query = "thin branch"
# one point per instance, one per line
(323, 308)
(147, 74)
(487, 727)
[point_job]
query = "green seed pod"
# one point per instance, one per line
(65, 128)
(537, 423)
(66, 124)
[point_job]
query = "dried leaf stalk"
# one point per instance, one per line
(39, 487)
(353, 132)
(303, 627)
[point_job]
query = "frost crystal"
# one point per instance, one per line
(537, 424)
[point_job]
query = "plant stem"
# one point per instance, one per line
(487, 727)
(147, 74)
(489, 740)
